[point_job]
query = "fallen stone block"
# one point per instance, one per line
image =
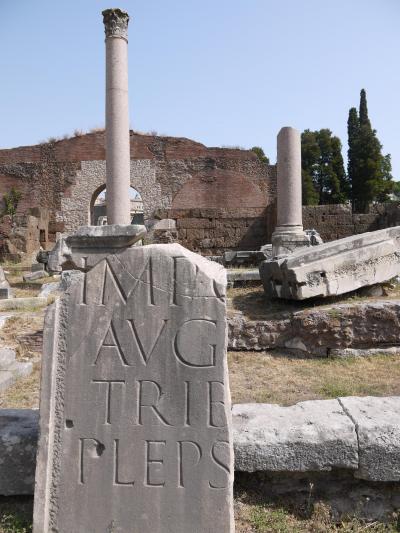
(313, 435)
(359, 436)
(5, 293)
(334, 267)
(15, 370)
(239, 277)
(7, 379)
(377, 422)
(37, 267)
(243, 257)
(7, 358)
(5, 289)
(49, 289)
(37, 274)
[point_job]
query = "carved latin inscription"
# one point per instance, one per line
(141, 440)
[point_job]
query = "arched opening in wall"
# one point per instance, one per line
(98, 207)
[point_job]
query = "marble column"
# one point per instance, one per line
(288, 234)
(117, 117)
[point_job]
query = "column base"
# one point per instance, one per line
(287, 239)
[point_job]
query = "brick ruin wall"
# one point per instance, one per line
(221, 198)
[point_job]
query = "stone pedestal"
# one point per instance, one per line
(90, 244)
(288, 234)
(135, 419)
(117, 117)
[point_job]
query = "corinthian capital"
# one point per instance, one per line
(116, 23)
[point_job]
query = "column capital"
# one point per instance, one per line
(116, 23)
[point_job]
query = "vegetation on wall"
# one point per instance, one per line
(11, 200)
(260, 154)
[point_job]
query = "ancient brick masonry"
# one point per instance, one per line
(228, 188)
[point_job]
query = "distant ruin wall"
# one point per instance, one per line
(338, 221)
(221, 198)
(170, 174)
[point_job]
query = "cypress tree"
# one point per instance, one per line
(353, 127)
(364, 119)
(368, 169)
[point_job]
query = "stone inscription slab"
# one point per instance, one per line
(135, 406)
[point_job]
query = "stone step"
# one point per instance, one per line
(6, 380)
(21, 369)
(7, 358)
(16, 370)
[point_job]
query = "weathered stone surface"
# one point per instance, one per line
(166, 224)
(18, 438)
(37, 267)
(297, 428)
(5, 289)
(7, 379)
(335, 267)
(356, 328)
(241, 276)
(135, 408)
(90, 244)
(377, 422)
(37, 274)
(245, 258)
(10, 369)
(13, 371)
(5, 293)
(49, 289)
(314, 435)
(7, 357)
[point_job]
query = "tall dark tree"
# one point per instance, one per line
(310, 154)
(369, 170)
(323, 168)
(364, 119)
(353, 127)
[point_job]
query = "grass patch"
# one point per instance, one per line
(16, 331)
(23, 333)
(16, 515)
(251, 516)
(265, 518)
(24, 394)
(277, 378)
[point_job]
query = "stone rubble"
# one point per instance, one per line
(334, 268)
(11, 369)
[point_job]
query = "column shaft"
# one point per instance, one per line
(117, 120)
(289, 180)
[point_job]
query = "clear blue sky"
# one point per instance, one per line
(222, 72)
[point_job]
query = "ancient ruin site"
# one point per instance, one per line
(199, 338)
